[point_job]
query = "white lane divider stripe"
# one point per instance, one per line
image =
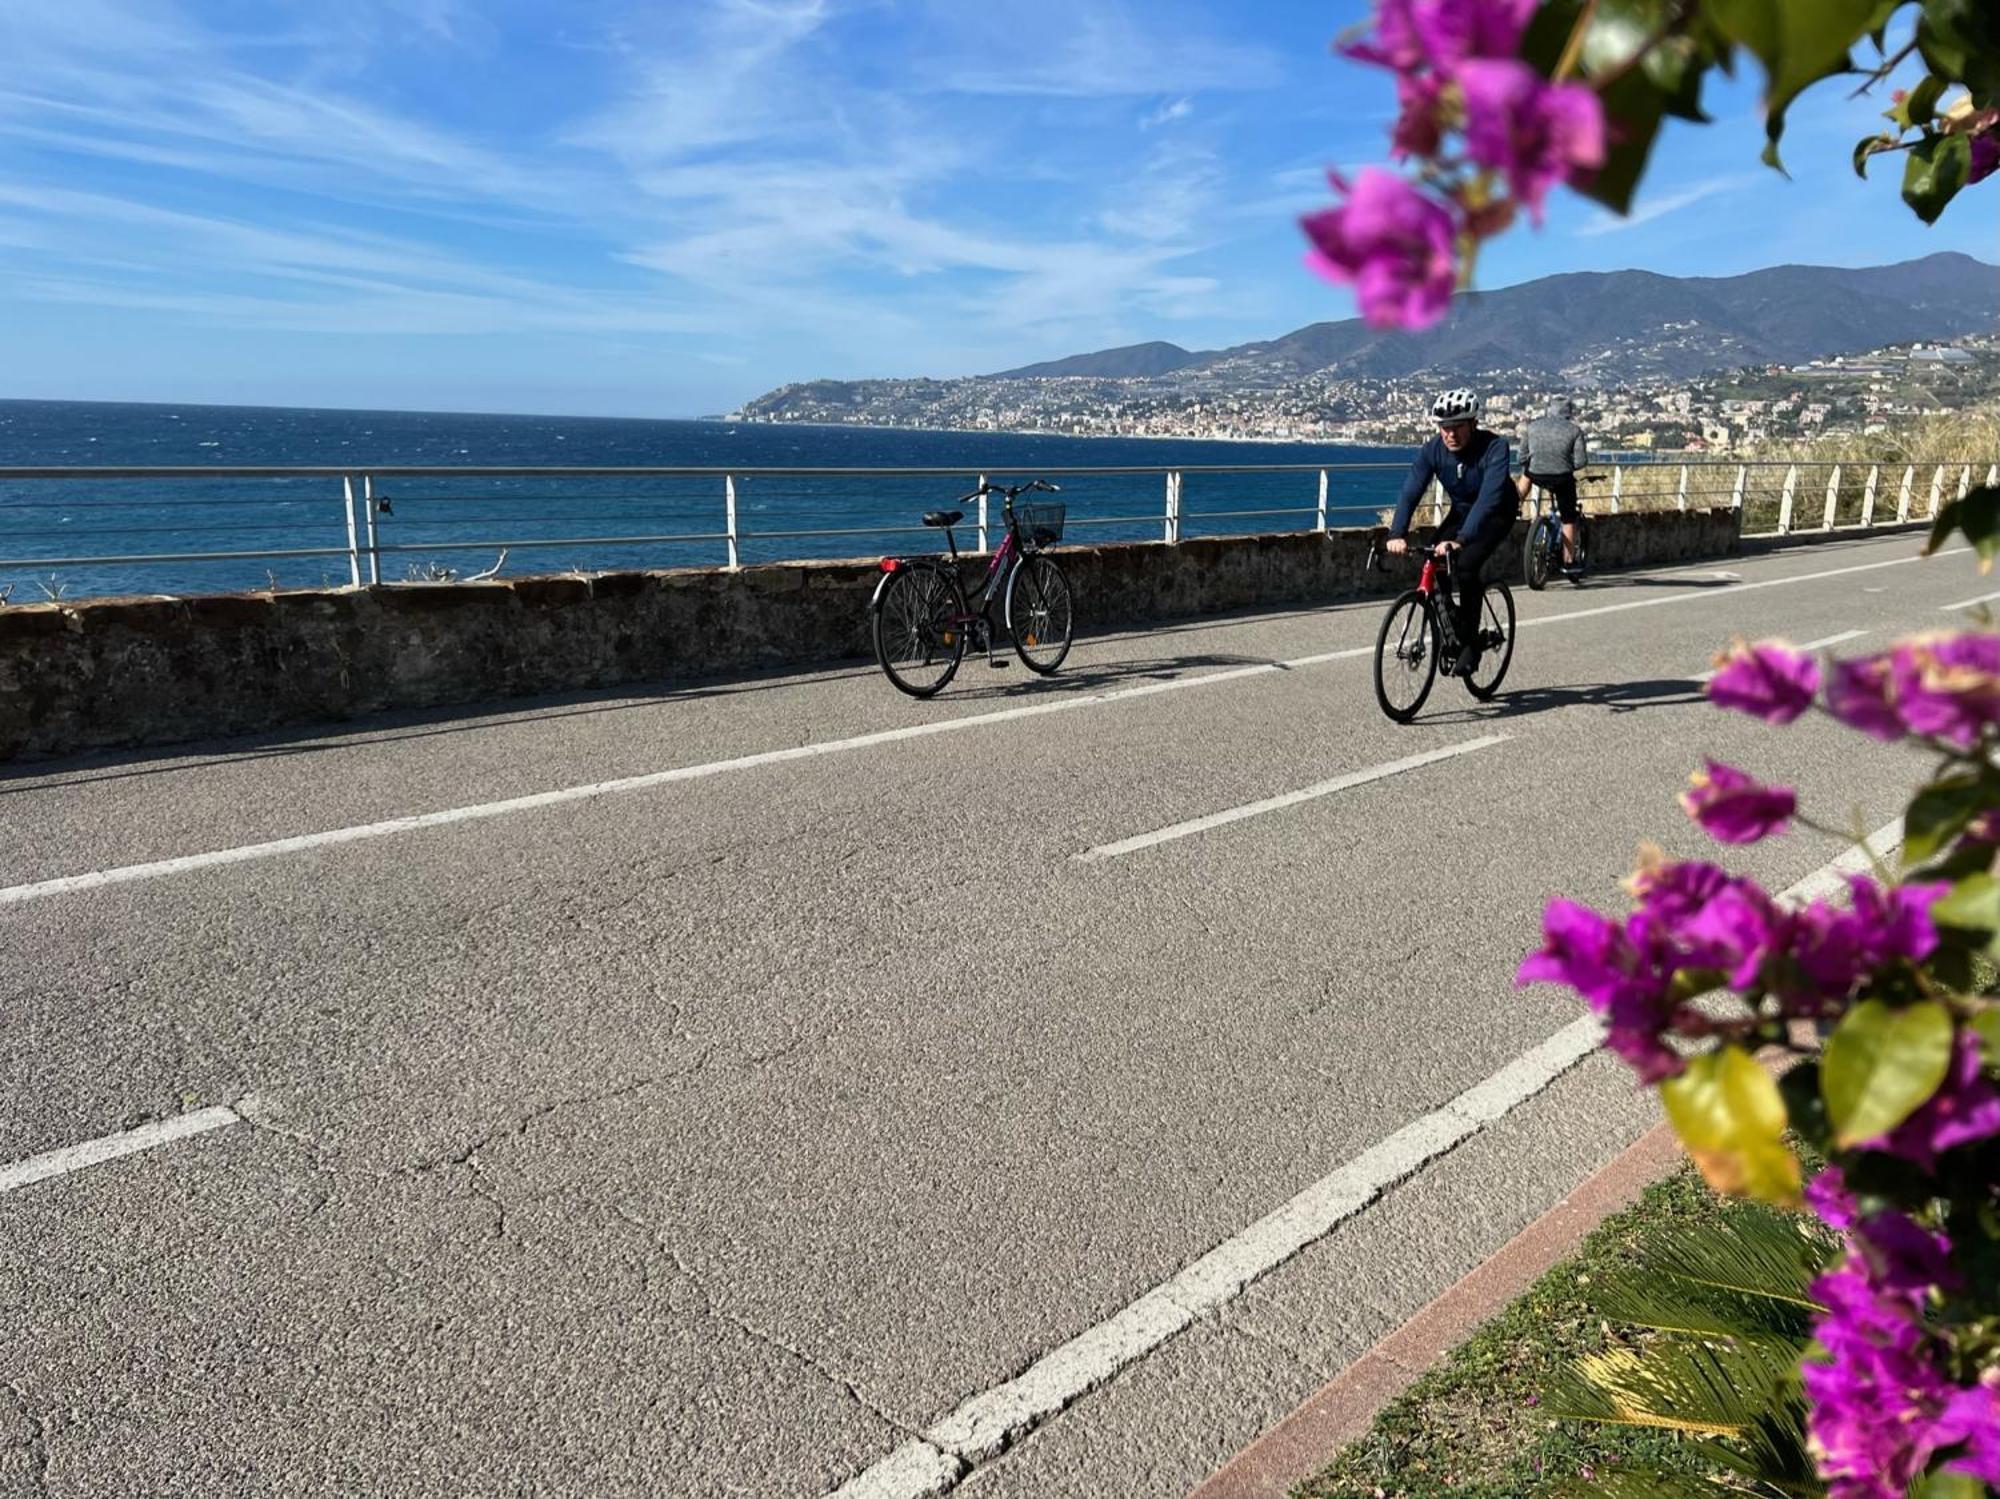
(161, 868)
(53, 1163)
(1810, 645)
(1287, 799)
(1984, 598)
(938, 1460)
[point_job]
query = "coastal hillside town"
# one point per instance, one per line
(1731, 412)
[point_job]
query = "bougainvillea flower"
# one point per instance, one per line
(1873, 1397)
(1947, 685)
(1732, 807)
(1418, 129)
(1827, 1195)
(1965, 1108)
(1535, 133)
(1768, 680)
(1970, 1421)
(1597, 957)
(1411, 34)
(1858, 694)
(1390, 242)
(1985, 157)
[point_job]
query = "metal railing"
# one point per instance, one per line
(199, 529)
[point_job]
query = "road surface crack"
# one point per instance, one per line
(712, 1308)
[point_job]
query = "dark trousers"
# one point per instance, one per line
(1468, 572)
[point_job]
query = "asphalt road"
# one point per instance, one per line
(737, 1130)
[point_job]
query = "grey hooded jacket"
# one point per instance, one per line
(1553, 444)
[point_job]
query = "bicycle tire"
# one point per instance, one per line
(917, 623)
(1408, 661)
(1543, 539)
(1582, 560)
(1499, 616)
(1039, 615)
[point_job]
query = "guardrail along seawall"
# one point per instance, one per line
(158, 668)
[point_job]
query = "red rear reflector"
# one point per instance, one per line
(890, 564)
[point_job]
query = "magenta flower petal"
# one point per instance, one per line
(1393, 244)
(1535, 133)
(1767, 680)
(1970, 1422)
(1947, 685)
(1985, 157)
(1965, 1108)
(1732, 807)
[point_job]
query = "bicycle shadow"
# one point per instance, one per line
(1095, 678)
(1612, 697)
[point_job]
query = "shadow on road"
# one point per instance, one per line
(1015, 681)
(1613, 697)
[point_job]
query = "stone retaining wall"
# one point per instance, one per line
(141, 671)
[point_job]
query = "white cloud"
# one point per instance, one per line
(1647, 211)
(1167, 113)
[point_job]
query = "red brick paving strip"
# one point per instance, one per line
(1306, 1440)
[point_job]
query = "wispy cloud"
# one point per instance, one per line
(1652, 209)
(1167, 113)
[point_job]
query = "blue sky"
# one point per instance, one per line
(663, 208)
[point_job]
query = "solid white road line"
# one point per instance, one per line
(1984, 598)
(52, 1163)
(1810, 645)
(936, 1461)
(1288, 799)
(160, 868)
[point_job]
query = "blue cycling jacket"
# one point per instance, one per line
(1475, 481)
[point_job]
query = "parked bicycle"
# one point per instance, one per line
(1417, 638)
(1542, 553)
(922, 624)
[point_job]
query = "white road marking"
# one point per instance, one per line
(1810, 645)
(942, 1456)
(161, 868)
(1984, 598)
(1287, 799)
(53, 1163)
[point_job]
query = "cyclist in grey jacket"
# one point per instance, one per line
(1553, 451)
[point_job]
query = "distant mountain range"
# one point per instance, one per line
(1591, 328)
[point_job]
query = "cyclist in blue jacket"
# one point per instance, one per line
(1470, 464)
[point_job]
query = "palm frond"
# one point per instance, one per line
(1701, 1389)
(1763, 1254)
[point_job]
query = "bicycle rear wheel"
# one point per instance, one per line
(919, 629)
(1544, 538)
(1038, 612)
(1405, 656)
(1496, 641)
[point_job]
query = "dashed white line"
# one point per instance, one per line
(943, 1455)
(61, 1162)
(1287, 799)
(161, 868)
(1984, 598)
(1810, 645)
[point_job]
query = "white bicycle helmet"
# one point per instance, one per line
(1455, 406)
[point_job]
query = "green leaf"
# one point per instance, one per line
(1960, 39)
(1949, 1486)
(1881, 1065)
(1986, 1026)
(1799, 42)
(1977, 517)
(1727, 1112)
(1940, 812)
(1973, 905)
(1635, 109)
(1867, 146)
(1804, 1107)
(1938, 167)
(1919, 106)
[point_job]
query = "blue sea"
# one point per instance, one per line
(426, 525)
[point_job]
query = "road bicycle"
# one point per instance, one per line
(1541, 553)
(919, 616)
(1417, 638)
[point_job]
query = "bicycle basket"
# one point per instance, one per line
(1039, 524)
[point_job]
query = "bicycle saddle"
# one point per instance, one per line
(944, 517)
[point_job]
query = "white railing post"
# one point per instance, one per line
(1617, 485)
(1993, 475)
(1681, 494)
(1785, 501)
(1322, 499)
(1437, 502)
(982, 515)
(1937, 489)
(1736, 494)
(1868, 497)
(1965, 481)
(1832, 498)
(1172, 532)
(729, 519)
(353, 535)
(368, 512)
(1903, 494)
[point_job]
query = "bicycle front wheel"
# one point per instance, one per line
(1537, 557)
(1406, 656)
(1038, 613)
(920, 630)
(1496, 641)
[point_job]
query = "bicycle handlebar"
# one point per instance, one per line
(1010, 491)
